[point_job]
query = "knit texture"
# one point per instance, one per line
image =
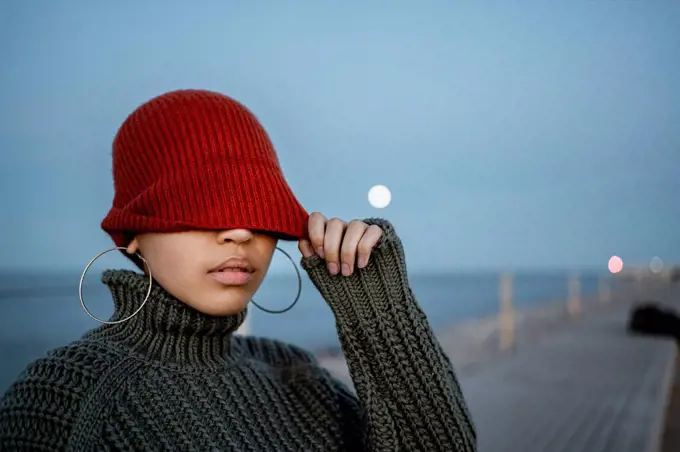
(173, 379)
(196, 159)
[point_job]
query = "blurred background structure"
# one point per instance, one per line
(531, 151)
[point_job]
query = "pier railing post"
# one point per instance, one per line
(506, 317)
(604, 290)
(574, 303)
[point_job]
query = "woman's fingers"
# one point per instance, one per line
(343, 246)
(317, 230)
(368, 241)
(348, 250)
(335, 230)
(306, 248)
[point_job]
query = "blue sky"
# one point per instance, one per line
(512, 134)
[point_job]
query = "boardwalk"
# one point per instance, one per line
(587, 388)
(578, 386)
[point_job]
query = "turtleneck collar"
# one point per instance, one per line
(165, 329)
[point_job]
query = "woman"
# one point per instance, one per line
(200, 203)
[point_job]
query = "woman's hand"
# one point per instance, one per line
(339, 243)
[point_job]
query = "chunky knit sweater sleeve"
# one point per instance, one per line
(40, 411)
(409, 396)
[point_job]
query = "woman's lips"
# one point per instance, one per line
(232, 277)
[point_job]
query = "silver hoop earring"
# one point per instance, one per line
(82, 278)
(281, 311)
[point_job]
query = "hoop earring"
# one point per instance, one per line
(281, 311)
(82, 278)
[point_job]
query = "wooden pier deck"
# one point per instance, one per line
(590, 387)
(581, 385)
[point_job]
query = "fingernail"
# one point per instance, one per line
(362, 262)
(345, 270)
(319, 251)
(333, 268)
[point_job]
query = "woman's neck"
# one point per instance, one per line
(165, 329)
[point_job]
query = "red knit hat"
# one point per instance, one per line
(198, 160)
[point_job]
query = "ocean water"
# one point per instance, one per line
(40, 312)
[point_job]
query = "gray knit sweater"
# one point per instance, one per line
(173, 379)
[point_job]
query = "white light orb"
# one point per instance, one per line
(656, 264)
(379, 196)
(615, 264)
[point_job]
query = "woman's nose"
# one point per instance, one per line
(234, 235)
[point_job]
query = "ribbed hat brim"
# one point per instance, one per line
(213, 197)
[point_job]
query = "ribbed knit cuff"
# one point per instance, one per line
(397, 365)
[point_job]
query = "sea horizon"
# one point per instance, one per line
(35, 318)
